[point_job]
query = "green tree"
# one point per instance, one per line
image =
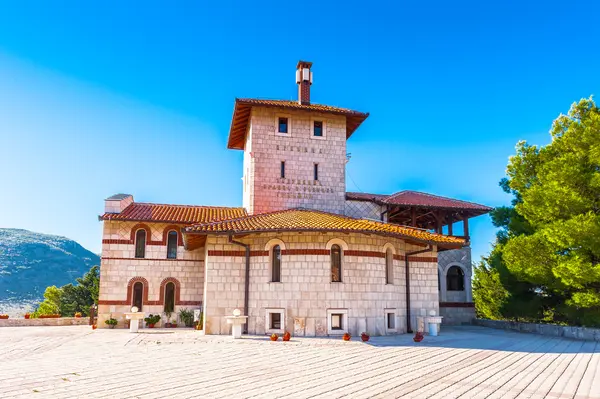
(69, 299)
(545, 264)
(80, 297)
(51, 303)
(559, 187)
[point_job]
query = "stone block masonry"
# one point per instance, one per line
(305, 293)
(266, 190)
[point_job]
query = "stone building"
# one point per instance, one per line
(302, 254)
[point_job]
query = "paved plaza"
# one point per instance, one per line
(468, 362)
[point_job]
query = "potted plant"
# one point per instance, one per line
(418, 337)
(78, 314)
(112, 322)
(174, 323)
(168, 317)
(274, 337)
(151, 320)
(347, 337)
(3, 316)
(187, 317)
(287, 336)
(365, 337)
(200, 323)
(27, 315)
(94, 326)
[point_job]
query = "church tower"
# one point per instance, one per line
(294, 151)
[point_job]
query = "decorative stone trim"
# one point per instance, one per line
(175, 228)
(368, 254)
(268, 329)
(145, 300)
(160, 259)
(275, 241)
(337, 241)
(237, 253)
(163, 286)
(144, 290)
(344, 313)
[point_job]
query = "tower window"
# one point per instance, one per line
(316, 172)
(283, 125)
(318, 129)
(172, 245)
(283, 169)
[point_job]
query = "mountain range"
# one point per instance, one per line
(30, 262)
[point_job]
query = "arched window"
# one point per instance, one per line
(389, 266)
(336, 264)
(170, 297)
(455, 279)
(138, 292)
(276, 264)
(140, 243)
(172, 245)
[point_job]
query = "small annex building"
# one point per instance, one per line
(302, 254)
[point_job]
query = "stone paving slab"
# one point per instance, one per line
(463, 362)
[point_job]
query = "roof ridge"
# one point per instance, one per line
(433, 196)
(189, 206)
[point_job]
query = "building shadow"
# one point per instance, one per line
(482, 338)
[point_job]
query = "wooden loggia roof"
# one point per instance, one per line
(243, 108)
(166, 213)
(419, 199)
(305, 220)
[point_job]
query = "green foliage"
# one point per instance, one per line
(51, 303)
(152, 319)
(70, 299)
(547, 256)
(187, 317)
(111, 322)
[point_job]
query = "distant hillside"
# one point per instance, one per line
(30, 262)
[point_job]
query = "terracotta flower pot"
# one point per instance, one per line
(111, 326)
(3, 316)
(287, 336)
(347, 337)
(364, 337)
(274, 337)
(78, 316)
(173, 325)
(151, 325)
(94, 327)
(27, 315)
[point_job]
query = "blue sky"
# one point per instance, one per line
(102, 98)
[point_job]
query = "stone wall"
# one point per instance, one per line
(119, 269)
(364, 209)
(457, 315)
(582, 333)
(306, 294)
(60, 321)
(265, 190)
(462, 259)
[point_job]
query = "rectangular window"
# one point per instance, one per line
(391, 321)
(283, 169)
(275, 321)
(283, 125)
(337, 321)
(318, 129)
(316, 177)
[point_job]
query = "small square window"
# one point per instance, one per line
(283, 125)
(318, 128)
(391, 321)
(275, 321)
(337, 320)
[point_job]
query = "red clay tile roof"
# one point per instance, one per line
(243, 107)
(311, 220)
(416, 198)
(144, 212)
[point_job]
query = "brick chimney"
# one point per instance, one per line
(117, 203)
(304, 80)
